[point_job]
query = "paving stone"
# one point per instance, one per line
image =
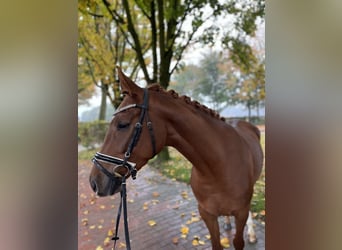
(96, 216)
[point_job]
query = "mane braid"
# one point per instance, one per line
(186, 99)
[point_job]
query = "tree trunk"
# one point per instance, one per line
(164, 155)
(103, 107)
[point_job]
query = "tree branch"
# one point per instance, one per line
(136, 40)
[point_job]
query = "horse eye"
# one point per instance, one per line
(122, 125)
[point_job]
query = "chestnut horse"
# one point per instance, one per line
(227, 157)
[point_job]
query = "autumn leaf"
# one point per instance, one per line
(184, 194)
(130, 200)
(122, 245)
(155, 194)
(184, 230)
(110, 232)
(102, 206)
(195, 242)
(225, 242)
(85, 222)
(106, 242)
(201, 242)
(92, 227)
(152, 223)
(192, 220)
(99, 248)
(175, 240)
(155, 202)
(145, 206)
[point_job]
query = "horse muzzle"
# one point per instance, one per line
(103, 186)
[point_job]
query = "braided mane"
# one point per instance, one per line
(186, 99)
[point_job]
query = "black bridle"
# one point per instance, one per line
(130, 166)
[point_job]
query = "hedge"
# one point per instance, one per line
(90, 134)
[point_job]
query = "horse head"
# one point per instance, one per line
(134, 136)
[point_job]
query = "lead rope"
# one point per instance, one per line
(123, 203)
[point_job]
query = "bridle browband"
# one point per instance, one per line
(130, 166)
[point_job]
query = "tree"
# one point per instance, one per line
(205, 83)
(160, 31)
(165, 21)
(101, 48)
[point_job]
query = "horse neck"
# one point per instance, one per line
(191, 131)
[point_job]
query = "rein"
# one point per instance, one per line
(130, 166)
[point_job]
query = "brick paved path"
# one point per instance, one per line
(150, 197)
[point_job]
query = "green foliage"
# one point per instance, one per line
(88, 154)
(92, 133)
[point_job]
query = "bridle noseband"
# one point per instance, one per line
(130, 166)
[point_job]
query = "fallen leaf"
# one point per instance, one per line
(192, 220)
(155, 202)
(184, 230)
(195, 242)
(99, 248)
(106, 242)
(201, 242)
(122, 245)
(92, 227)
(207, 236)
(183, 236)
(99, 226)
(225, 242)
(110, 232)
(85, 222)
(102, 206)
(86, 212)
(175, 240)
(184, 194)
(130, 200)
(155, 194)
(152, 223)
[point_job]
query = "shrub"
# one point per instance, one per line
(93, 133)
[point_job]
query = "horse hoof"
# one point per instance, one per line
(227, 226)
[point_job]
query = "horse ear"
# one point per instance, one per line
(127, 85)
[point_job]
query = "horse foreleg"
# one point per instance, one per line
(240, 221)
(250, 229)
(213, 227)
